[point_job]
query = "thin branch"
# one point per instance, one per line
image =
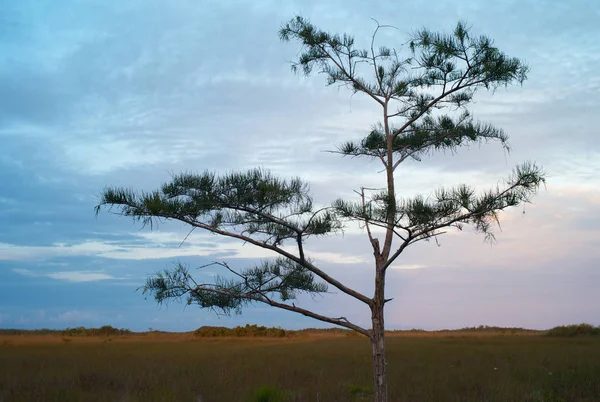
(352, 78)
(185, 238)
(313, 215)
(364, 210)
(464, 217)
(268, 217)
(432, 104)
(321, 274)
(399, 251)
(377, 77)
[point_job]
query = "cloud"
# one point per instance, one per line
(80, 276)
(26, 272)
(337, 258)
(157, 245)
(8, 201)
(408, 266)
(110, 250)
(76, 316)
(69, 276)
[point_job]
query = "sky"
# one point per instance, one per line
(100, 93)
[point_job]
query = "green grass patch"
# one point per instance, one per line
(268, 394)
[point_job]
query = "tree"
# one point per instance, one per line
(423, 98)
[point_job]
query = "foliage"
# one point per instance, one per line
(280, 276)
(105, 330)
(42, 331)
(488, 328)
(268, 394)
(253, 206)
(456, 64)
(253, 202)
(359, 393)
(574, 330)
(423, 218)
(245, 331)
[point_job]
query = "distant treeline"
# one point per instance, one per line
(574, 330)
(105, 330)
(560, 331)
(485, 328)
(246, 331)
(276, 332)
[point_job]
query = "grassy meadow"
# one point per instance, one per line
(306, 366)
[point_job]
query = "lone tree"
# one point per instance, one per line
(423, 97)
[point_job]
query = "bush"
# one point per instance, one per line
(574, 330)
(268, 394)
(105, 330)
(245, 331)
(358, 393)
(208, 331)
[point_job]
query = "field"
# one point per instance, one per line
(315, 367)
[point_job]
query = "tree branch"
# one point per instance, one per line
(431, 104)
(342, 321)
(321, 274)
(351, 77)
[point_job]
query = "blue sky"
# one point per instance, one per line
(96, 93)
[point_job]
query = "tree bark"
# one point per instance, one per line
(379, 363)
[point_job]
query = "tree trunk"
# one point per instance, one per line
(379, 364)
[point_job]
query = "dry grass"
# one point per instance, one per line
(181, 367)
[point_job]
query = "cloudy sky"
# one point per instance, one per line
(96, 93)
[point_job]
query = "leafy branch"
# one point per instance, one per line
(259, 284)
(254, 207)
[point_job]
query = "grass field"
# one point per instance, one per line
(181, 367)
